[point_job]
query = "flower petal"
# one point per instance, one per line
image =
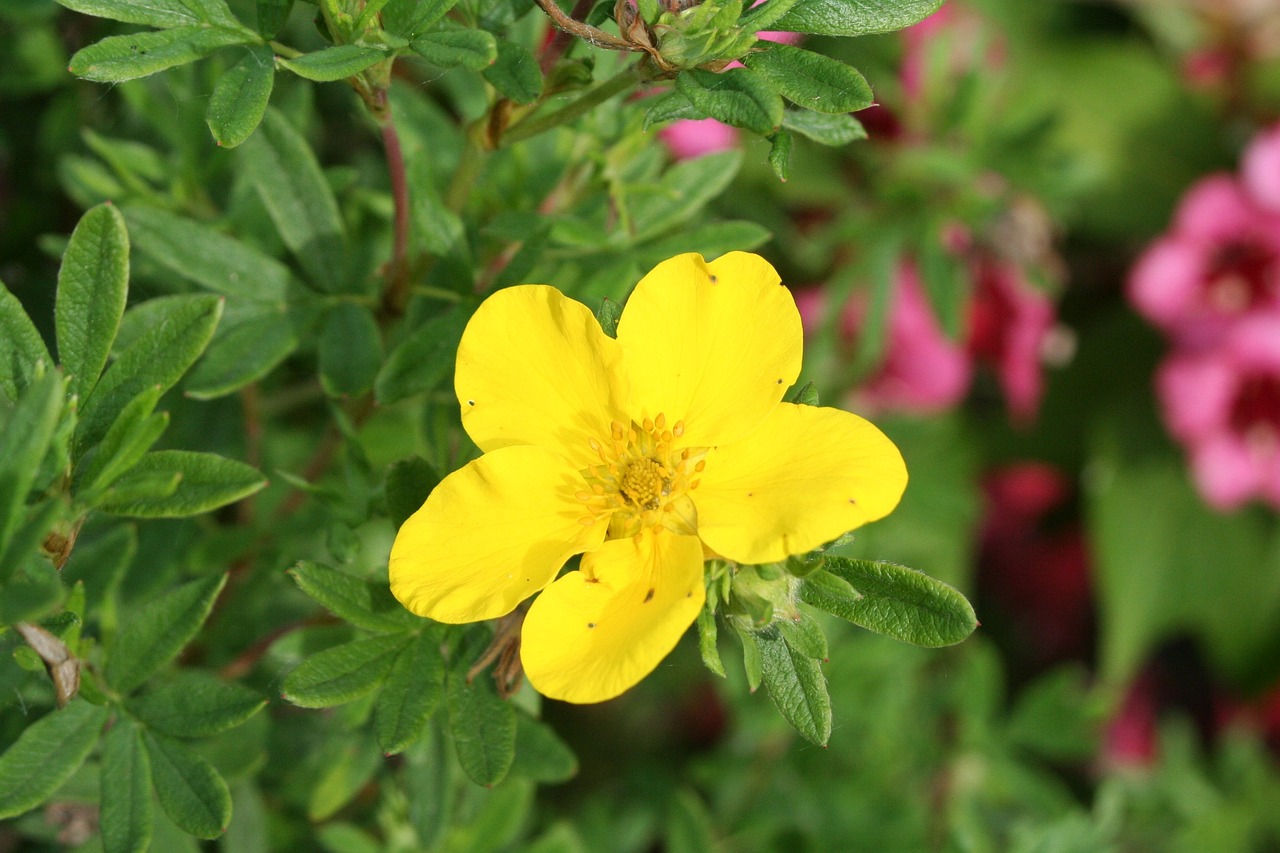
(803, 478)
(715, 345)
(534, 367)
(490, 535)
(595, 633)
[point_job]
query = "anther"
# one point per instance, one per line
(583, 495)
(648, 425)
(701, 466)
(684, 454)
(667, 436)
(587, 520)
(695, 484)
(660, 421)
(593, 444)
(678, 429)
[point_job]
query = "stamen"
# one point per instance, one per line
(648, 425)
(660, 421)
(701, 466)
(678, 429)
(583, 495)
(587, 520)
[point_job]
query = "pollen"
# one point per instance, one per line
(642, 483)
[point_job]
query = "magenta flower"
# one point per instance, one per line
(1260, 168)
(1223, 404)
(1218, 263)
(1009, 320)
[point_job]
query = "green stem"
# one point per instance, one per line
(468, 170)
(536, 124)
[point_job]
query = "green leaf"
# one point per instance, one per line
(738, 96)
(707, 643)
(126, 441)
(173, 340)
(608, 315)
(669, 106)
(854, 17)
(298, 198)
(797, 687)
(474, 50)
(240, 98)
(682, 192)
(424, 358)
(515, 73)
(900, 602)
(215, 12)
(343, 673)
(191, 792)
(24, 440)
(804, 636)
(35, 589)
(153, 13)
(811, 80)
(21, 347)
(780, 147)
(824, 129)
(93, 285)
(408, 18)
(350, 351)
(272, 16)
(196, 704)
(483, 728)
(409, 481)
(411, 694)
(246, 347)
(752, 662)
(46, 754)
(334, 63)
(125, 813)
(429, 782)
(362, 603)
(829, 593)
(119, 58)
(540, 753)
(157, 630)
(710, 239)
(762, 16)
(207, 482)
(688, 826)
(348, 765)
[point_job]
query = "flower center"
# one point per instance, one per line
(643, 479)
(1255, 412)
(1241, 275)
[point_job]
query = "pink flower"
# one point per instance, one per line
(1223, 404)
(1260, 168)
(916, 40)
(1130, 736)
(1219, 262)
(1009, 320)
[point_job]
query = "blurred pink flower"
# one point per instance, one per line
(1218, 263)
(1260, 168)
(1009, 320)
(1130, 736)
(1223, 404)
(915, 46)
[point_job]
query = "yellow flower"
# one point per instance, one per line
(647, 454)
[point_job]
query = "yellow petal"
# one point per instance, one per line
(806, 476)
(595, 633)
(534, 367)
(715, 345)
(491, 534)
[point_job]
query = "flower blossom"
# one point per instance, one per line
(1260, 168)
(1009, 322)
(647, 454)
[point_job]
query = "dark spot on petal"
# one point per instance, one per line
(779, 381)
(591, 624)
(648, 596)
(593, 580)
(852, 501)
(749, 494)
(471, 402)
(714, 279)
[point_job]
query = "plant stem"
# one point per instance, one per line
(396, 296)
(586, 32)
(559, 42)
(615, 85)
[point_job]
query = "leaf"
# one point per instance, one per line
(298, 198)
(483, 728)
(272, 16)
(409, 481)
(804, 636)
(343, 673)
(419, 362)
(682, 192)
(669, 106)
(752, 662)
(738, 97)
(829, 593)
(429, 783)
(412, 692)
(824, 129)
(46, 754)
(811, 80)
(333, 63)
(854, 17)
(348, 765)
(362, 603)
(21, 347)
(215, 12)
(707, 643)
(196, 704)
(688, 826)
(474, 50)
(350, 351)
(245, 348)
(35, 588)
(240, 98)
(608, 315)
(119, 58)
(207, 482)
(781, 144)
(161, 354)
(93, 285)
(797, 687)
(515, 73)
(153, 13)
(125, 813)
(157, 630)
(126, 441)
(710, 239)
(408, 18)
(901, 603)
(540, 753)
(191, 792)
(24, 440)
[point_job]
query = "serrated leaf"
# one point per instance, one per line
(350, 351)
(737, 96)
(854, 17)
(191, 792)
(483, 728)
(196, 704)
(474, 50)
(362, 603)
(295, 193)
(825, 129)
(515, 73)
(24, 440)
(21, 347)
(93, 286)
(901, 603)
(157, 630)
(408, 18)
(409, 481)
(207, 481)
(119, 58)
(540, 753)
(343, 673)
(240, 98)
(419, 362)
(46, 754)
(126, 441)
(333, 63)
(160, 355)
(245, 348)
(797, 687)
(707, 643)
(811, 80)
(153, 13)
(412, 692)
(125, 810)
